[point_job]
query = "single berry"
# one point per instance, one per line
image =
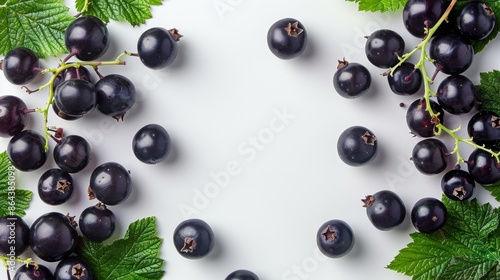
(87, 38)
(385, 209)
(110, 183)
(483, 167)
(456, 94)
(157, 47)
(26, 150)
(458, 184)
(13, 115)
(20, 66)
(357, 146)
(351, 80)
(151, 144)
(242, 274)
(406, 79)
(287, 38)
(72, 153)
(429, 215)
(97, 223)
(335, 238)
(419, 15)
(451, 53)
(115, 95)
(484, 128)
(75, 97)
(73, 268)
(430, 156)
(32, 272)
(55, 186)
(194, 238)
(419, 120)
(384, 47)
(476, 20)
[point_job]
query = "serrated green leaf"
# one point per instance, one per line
(488, 93)
(39, 25)
(379, 5)
(13, 201)
(135, 12)
(470, 249)
(135, 257)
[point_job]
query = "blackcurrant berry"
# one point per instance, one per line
(335, 238)
(26, 150)
(351, 80)
(430, 156)
(110, 183)
(72, 153)
(75, 97)
(406, 79)
(451, 52)
(157, 47)
(55, 186)
(385, 209)
(32, 272)
(429, 215)
(71, 73)
(357, 146)
(20, 66)
(419, 120)
(115, 95)
(484, 128)
(97, 223)
(14, 235)
(13, 115)
(242, 274)
(73, 268)
(151, 144)
(87, 38)
(53, 236)
(287, 38)
(483, 167)
(384, 47)
(458, 184)
(476, 20)
(456, 94)
(194, 238)
(419, 15)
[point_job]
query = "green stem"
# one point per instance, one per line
(6, 259)
(60, 69)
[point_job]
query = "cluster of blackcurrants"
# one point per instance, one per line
(451, 51)
(53, 236)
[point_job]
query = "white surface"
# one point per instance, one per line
(229, 105)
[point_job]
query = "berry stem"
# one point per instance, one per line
(50, 84)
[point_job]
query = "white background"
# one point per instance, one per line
(226, 89)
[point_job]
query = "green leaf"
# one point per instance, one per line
(379, 5)
(135, 12)
(488, 93)
(469, 247)
(135, 257)
(39, 25)
(13, 201)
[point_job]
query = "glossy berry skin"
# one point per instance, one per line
(73, 73)
(335, 238)
(287, 38)
(351, 80)
(385, 209)
(419, 13)
(75, 97)
(97, 223)
(13, 115)
(72, 153)
(53, 237)
(419, 120)
(30, 272)
(429, 215)
(483, 168)
(458, 184)
(20, 66)
(456, 94)
(430, 156)
(452, 53)
(73, 268)
(55, 186)
(26, 150)
(110, 183)
(242, 274)
(194, 239)
(357, 146)
(384, 47)
(87, 38)
(62, 115)
(157, 47)
(151, 144)
(115, 95)
(405, 80)
(484, 128)
(476, 20)
(14, 232)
